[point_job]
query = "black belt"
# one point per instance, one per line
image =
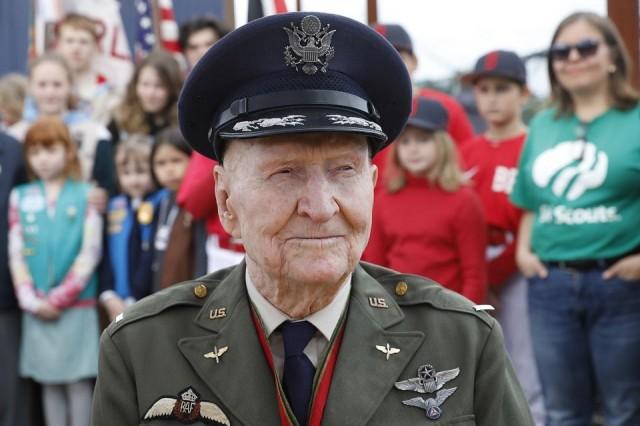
(583, 265)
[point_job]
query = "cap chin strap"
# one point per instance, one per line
(302, 98)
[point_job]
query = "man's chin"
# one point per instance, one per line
(316, 271)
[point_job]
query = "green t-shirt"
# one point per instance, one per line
(585, 194)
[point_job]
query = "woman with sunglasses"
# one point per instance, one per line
(579, 238)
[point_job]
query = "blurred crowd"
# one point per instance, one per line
(102, 203)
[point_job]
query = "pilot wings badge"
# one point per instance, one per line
(187, 408)
(431, 405)
(309, 45)
(429, 380)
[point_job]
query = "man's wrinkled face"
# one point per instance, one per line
(300, 203)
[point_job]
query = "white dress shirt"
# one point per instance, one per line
(325, 321)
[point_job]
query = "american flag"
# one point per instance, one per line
(259, 8)
(168, 27)
(145, 37)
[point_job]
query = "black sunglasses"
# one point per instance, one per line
(585, 48)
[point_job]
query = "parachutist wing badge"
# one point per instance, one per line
(443, 394)
(429, 380)
(431, 406)
(414, 385)
(416, 402)
(443, 377)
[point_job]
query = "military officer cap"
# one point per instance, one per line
(295, 73)
(428, 114)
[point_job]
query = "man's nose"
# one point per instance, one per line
(317, 200)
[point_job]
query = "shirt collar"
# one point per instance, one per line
(325, 320)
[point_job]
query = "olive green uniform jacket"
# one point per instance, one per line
(157, 350)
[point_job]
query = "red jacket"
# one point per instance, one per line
(197, 196)
(492, 167)
(427, 231)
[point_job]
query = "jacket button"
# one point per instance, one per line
(200, 291)
(401, 288)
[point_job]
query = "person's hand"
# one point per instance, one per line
(530, 264)
(114, 306)
(627, 268)
(47, 311)
(98, 198)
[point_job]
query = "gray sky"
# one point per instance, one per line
(449, 35)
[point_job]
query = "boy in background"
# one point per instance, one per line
(491, 163)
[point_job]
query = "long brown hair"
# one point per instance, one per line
(130, 115)
(622, 93)
(444, 172)
(56, 58)
(46, 132)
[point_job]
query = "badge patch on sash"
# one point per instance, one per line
(187, 408)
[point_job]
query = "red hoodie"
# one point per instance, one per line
(492, 167)
(427, 231)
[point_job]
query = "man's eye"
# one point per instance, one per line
(346, 168)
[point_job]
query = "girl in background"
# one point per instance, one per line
(50, 95)
(132, 217)
(425, 221)
(150, 102)
(54, 246)
(180, 240)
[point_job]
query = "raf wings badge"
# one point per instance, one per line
(428, 380)
(187, 409)
(431, 406)
(309, 45)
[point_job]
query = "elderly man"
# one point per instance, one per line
(293, 107)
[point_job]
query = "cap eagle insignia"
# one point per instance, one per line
(309, 45)
(187, 408)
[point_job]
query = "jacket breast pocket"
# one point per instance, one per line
(467, 420)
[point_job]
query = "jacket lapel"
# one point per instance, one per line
(363, 375)
(241, 378)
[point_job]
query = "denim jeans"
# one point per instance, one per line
(586, 338)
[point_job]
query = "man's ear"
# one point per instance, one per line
(226, 212)
(375, 174)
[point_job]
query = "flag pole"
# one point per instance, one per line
(229, 14)
(372, 12)
(625, 14)
(155, 17)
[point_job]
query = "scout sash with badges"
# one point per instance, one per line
(52, 243)
(124, 224)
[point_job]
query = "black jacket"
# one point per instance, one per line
(12, 173)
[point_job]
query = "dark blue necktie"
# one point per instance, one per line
(297, 379)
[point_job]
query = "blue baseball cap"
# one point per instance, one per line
(396, 35)
(428, 114)
(499, 63)
(295, 72)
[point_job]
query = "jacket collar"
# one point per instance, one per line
(242, 377)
